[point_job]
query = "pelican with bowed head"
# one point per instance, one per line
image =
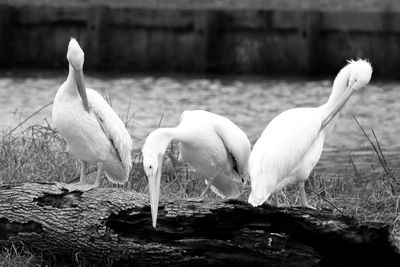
(292, 142)
(212, 144)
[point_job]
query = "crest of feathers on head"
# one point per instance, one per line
(359, 61)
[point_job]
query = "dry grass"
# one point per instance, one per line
(38, 153)
(19, 257)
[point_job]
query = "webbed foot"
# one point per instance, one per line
(80, 187)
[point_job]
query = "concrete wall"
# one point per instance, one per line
(215, 37)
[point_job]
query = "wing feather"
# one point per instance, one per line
(236, 142)
(234, 139)
(112, 126)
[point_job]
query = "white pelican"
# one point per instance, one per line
(94, 132)
(292, 142)
(212, 144)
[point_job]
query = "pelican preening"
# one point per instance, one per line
(94, 132)
(212, 144)
(292, 142)
(286, 152)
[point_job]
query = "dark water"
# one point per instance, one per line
(250, 102)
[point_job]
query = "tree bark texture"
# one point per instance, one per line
(114, 225)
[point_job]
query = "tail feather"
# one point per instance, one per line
(115, 171)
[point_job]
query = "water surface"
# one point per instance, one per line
(250, 102)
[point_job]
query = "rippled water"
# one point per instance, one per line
(251, 102)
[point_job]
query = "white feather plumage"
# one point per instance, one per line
(206, 141)
(113, 128)
(96, 135)
(292, 142)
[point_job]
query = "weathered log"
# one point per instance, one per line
(113, 224)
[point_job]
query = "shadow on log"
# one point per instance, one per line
(114, 225)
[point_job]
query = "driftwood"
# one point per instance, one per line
(114, 225)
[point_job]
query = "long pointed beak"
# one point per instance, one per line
(81, 89)
(342, 101)
(154, 188)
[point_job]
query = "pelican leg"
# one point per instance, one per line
(285, 182)
(82, 178)
(83, 172)
(62, 186)
(82, 185)
(201, 197)
(303, 196)
(98, 176)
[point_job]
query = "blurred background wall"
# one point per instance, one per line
(248, 36)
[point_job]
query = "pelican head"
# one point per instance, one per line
(358, 74)
(152, 165)
(76, 58)
(153, 151)
(75, 55)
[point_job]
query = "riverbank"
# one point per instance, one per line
(252, 36)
